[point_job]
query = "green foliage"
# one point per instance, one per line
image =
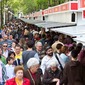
(29, 6)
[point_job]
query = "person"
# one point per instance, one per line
(6, 40)
(63, 55)
(18, 79)
(18, 53)
(3, 74)
(3, 59)
(10, 68)
(39, 50)
(74, 71)
(16, 62)
(5, 50)
(48, 58)
(81, 56)
(52, 75)
(29, 53)
(32, 71)
(59, 41)
(13, 46)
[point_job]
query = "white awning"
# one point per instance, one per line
(47, 24)
(71, 31)
(78, 31)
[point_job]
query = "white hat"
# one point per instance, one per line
(32, 62)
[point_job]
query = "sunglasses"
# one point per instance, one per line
(5, 46)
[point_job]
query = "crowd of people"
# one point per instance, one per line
(32, 56)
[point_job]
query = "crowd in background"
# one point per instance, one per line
(32, 56)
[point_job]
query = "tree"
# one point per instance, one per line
(29, 6)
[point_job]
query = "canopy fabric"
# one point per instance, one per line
(78, 31)
(47, 24)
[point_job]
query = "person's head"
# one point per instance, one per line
(35, 34)
(61, 37)
(11, 54)
(38, 46)
(22, 48)
(10, 37)
(53, 66)
(5, 37)
(70, 48)
(74, 54)
(33, 65)
(59, 46)
(80, 44)
(64, 49)
(49, 51)
(5, 46)
(17, 49)
(9, 60)
(78, 48)
(30, 44)
(13, 44)
(18, 70)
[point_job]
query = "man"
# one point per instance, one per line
(74, 73)
(39, 50)
(29, 53)
(5, 50)
(50, 56)
(6, 40)
(18, 53)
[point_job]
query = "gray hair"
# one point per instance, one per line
(38, 43)
(54, 64)
(32, 62)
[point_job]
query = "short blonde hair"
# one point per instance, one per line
(17, 68)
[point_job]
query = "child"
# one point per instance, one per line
(10, 68)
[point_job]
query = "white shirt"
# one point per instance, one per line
(10, 71)
(46, 62)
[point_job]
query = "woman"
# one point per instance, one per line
(63, 55)
(18, 79)
(52, 75)
(32, 71)
(16, 61)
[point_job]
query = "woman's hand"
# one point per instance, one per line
(55, 80)
(58, 82)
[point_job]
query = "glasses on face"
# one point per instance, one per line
(4, 45)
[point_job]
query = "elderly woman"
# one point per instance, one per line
(32, 71)
(18, 79)
(52, 75)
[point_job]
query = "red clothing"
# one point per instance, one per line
(12, 82)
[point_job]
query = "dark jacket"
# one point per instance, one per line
(13, 82)
(73, 74)
(81, 57)
(50, 75)
(36, 81)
